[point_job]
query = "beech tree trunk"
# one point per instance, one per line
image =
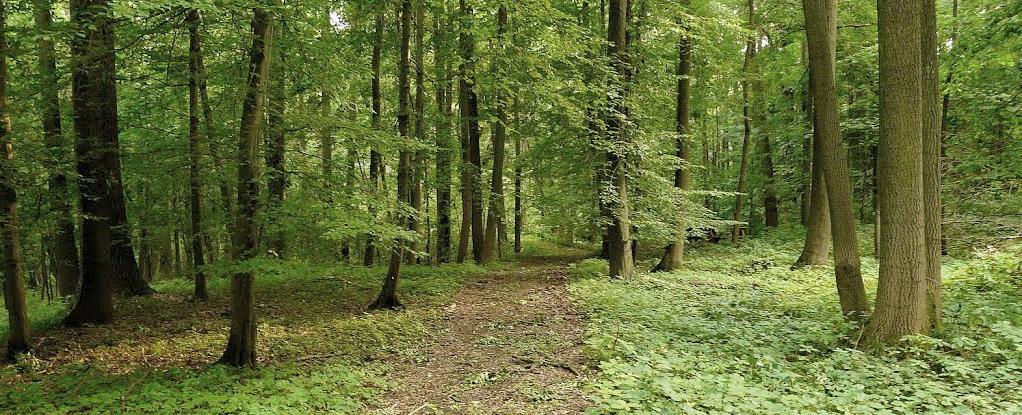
(276, 181)
(932, 205)
(241, 343)
(495, 214)
(675, 251)
(743, 168)
(901, 304)
(816, 249)
(443, 139)
(65, 249)
(94, 98)
(10, 240)
(472, 165)
(418, 173)
(375, 158)
(388, 295)
(519, 208)
(194, 153)
(615, 210)
(821, 30)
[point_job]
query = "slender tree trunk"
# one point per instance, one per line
(226, 192)
(519, 208)
(901, 306)
(743, 169)
(64, 245)
(807, 174)
(94, 98)
(675, 251)
(469, 104)
(821, 30)
(443, 139)
(418, 174)
(10, 239)
(945, 107)
(495, 214)
(932, 204)
(817, 244)
(375, 158)
(388, 295)
(241, 343)
(616, 211)
(276, 136)
(195, 158)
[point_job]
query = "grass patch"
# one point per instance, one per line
(738, 332)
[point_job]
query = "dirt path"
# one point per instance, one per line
(509, 343)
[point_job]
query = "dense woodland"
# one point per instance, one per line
(815, 190)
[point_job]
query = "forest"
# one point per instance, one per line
(511, 207)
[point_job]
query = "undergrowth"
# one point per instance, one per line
(738, 332)
(319, 351)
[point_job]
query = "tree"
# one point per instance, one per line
(901, 305)
(743, 169)
(388, 295)
(375, 158)
(194, 154)
(10, 244)
(499, 136)
(816, 249)
(94, 98)
(821, 32)
(675, 251)
(933, 207)
(443, 139)
(276, 141)
(240, 350)
(468, 102)
(614, 205)
(417, 181)
(65, 249)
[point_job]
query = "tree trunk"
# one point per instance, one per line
(472, 173)
(64, 245)
(675, 251)
(443, 139)
(388, 295)
(418, 174)
(743, 169)
(817, 245)
(195, 158)
(821, 30)
(519, 208)
(932, 204)
(901, 305)
(94, 98)
(10, 240)
(241, 350)
(495, 214)
(615, 211)
(375, 158)
(276, 182)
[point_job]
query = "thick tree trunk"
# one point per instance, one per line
(443, 139)
(932, 204)
(375, 158)
(195, 158)
(10, 240)
(675, 251)
(241, 347)
(94, 98)
(388, 295)
(817, 245)
(821, 30)
(615, 211)
(495, 214)
(65, 248)
(469, 104)
(276, 136)
(901, 305)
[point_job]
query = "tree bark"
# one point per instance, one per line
(241, 343)
(10, 240)
(615, 208)
(226, 192)
(675, 251)
(65, 248)
(94, 98)
(743, 168)
(817, 245)
(418, 173)
(932, 204)
(519, 207)
(495, 214)
(375, 158)
(472, 173)
(194, 153)
(276, 181)
(443, 139)
(388, 294)
(821, 30)
(901, 305)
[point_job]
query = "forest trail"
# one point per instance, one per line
(510, 342)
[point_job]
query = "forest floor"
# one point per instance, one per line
(510, 342)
